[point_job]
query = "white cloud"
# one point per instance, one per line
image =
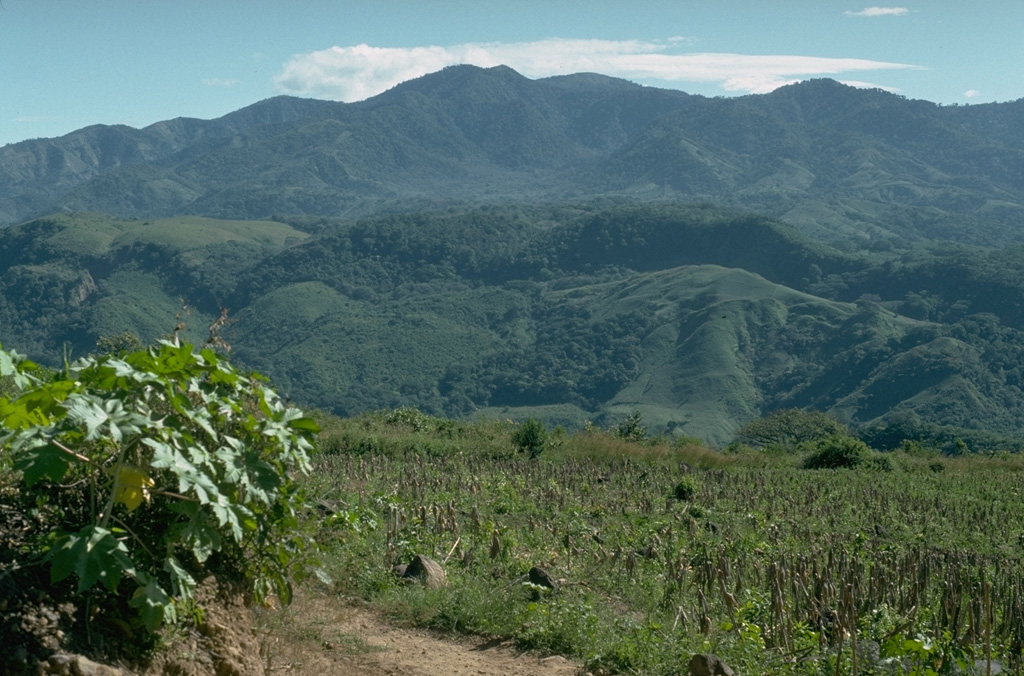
(358, 72)
(971, 93)
(879, 11)
(870, 85)
(220, 82)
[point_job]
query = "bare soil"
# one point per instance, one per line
(321, 636)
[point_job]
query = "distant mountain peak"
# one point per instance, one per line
(454, 77)
(590, 81)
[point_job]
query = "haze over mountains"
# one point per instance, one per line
(477, 241)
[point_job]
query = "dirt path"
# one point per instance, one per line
(318, 636)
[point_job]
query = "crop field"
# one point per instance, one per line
(659, 550)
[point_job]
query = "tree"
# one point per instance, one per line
(789, 427)
(836, 452)
(120, 343)
(531, 437)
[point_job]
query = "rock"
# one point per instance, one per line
(983, 667)
(427, 571)
(83, 666)
(703, 664)
(869, 653)
(542, 578)
(58, 664)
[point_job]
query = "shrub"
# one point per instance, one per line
(149, 468)
(631, 429)
(531, 437)
(878, 462)
(836, 452)
(686, 489)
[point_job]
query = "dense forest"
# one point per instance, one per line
(700, 317)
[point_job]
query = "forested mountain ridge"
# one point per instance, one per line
(845, 165)
(700, 317)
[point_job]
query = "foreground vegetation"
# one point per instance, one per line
(799, 549)
(126, 480)
(661, 550)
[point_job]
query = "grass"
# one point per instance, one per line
(195, 232)
(97, 234)
(746, 565)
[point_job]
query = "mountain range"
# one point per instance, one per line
(474, 242)
(837, 162)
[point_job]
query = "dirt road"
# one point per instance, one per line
(318, 636)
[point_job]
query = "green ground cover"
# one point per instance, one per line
(663, 550)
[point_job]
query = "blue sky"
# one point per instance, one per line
(72, 63)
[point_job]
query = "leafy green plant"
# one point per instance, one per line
(631, 428)
(836, 452)
(923, 656)
(155, 467)
(531, 437)
(686, 489)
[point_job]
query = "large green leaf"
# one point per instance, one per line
(153, 603)
(85, 410)
(42, 462)
(36, 407)
(14, 365)
(94, 555)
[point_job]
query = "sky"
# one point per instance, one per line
(69, 64)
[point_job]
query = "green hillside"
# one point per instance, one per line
(698, 317)
(70, 279)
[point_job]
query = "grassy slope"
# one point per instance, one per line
(349, 330)
(191, 233)
(708, 348)
(104, 275)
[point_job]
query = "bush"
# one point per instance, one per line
(837, 452)
(686, 489)
(151, 468)
(531, 437)
(630, 429)
(878, 462)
